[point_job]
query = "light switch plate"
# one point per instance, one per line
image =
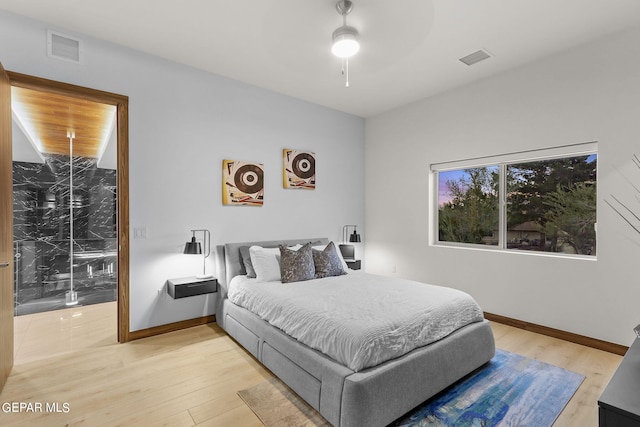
(140, 232)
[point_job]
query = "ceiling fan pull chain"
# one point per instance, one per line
(346, 60)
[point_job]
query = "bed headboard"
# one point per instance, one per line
(229, 262)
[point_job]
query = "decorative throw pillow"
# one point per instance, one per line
(265, 263)
(328, 262)
(342, 261)
(246, 261)
(296, 266)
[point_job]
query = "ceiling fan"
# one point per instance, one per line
(345, 38)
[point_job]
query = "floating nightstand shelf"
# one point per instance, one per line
(353, 264)
(349, 251)
(190, 286)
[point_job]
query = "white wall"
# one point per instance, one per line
(22, 150)
(182, 124)
(591, 93)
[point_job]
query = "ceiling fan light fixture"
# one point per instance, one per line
(345, 39)
(345, 42)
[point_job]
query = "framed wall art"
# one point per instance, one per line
(299, 169)
(242, 183)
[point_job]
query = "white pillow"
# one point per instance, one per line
(266, 262)
(345, 267)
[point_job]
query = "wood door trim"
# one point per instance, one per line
(6, 226)
(122, 105)
(51, 86)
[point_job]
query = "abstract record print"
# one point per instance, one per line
(242, 183)
(299, 169)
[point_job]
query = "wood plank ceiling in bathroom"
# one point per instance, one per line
(48, 118)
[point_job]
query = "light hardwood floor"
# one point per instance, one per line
(191, 377)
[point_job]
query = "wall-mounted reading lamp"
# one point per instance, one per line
(193, 248)
(353, 237)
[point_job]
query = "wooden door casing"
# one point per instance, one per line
(122, 128)
(6, 231)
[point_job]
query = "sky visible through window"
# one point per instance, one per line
(455, 175)
(444, 196)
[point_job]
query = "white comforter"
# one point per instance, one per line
(359, 319)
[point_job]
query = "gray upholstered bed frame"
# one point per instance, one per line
(373, 397)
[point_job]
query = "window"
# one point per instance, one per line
(468, 205)
(542, 201)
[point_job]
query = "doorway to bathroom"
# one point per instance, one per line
(70, 201)
(64, 201)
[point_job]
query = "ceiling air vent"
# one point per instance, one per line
(62, 46)
(475, 57)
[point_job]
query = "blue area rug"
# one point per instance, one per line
(511, 390)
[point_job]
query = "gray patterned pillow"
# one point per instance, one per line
(296, 266)
(327, 262)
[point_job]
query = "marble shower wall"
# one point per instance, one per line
(42, 227)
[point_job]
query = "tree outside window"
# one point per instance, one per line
(468, 205)
(550, 205)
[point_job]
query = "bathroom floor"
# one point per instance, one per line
(42, 335)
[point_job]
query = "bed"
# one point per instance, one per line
(348, 390)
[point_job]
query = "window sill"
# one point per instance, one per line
(472, 247)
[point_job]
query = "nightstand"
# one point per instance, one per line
(354, 264)
(190, 286)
